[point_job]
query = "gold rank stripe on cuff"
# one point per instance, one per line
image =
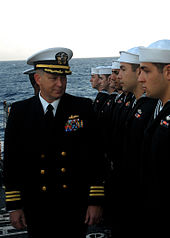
(13, 196)
(97, 191)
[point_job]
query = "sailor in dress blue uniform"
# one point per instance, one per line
(102, 94)
(155, 78)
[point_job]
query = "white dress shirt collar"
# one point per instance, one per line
(45, 104)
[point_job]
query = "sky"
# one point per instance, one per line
(90, 28)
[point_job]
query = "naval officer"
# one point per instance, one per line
(53, 184)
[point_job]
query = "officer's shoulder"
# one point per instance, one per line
(79, 100)
(23, 103)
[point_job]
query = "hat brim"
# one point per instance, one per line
(29, 71)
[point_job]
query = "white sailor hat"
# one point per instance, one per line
(131, 56)
(29, 71)
(94, 71)
(105, 70)
(157, 52)
(52, 60)
(115, 64)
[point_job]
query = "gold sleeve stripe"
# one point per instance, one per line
(13, 196)
(98, 187)
(96, 194)
(97, 191)
(51, 66)
(12, 192)
(13, 199)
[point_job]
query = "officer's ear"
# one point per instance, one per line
(37, 78)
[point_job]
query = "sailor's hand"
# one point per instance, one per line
(17, 219)
(93, 215)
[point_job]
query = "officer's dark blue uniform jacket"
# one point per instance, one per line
(61, 172)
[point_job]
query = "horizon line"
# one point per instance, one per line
(5, 60)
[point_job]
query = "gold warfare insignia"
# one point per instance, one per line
(73, 116)
(61, 58)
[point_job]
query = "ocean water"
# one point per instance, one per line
(14, 85)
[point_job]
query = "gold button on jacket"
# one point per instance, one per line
(42, 171)
(63, 170)
(63, 153)
(44, 188)
(65, 186)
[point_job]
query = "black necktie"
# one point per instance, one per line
(49, 116)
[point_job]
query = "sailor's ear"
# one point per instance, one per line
(138, 71)
(167, 71)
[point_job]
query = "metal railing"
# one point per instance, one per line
(7, 230)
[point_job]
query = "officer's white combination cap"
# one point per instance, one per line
(157, 52)
(52, 60)
(131, 56)
(115, 64)
(94, 71)
(105, 70)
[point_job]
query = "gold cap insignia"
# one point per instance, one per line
(61, 58)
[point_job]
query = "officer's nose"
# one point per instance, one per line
(59, 81)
